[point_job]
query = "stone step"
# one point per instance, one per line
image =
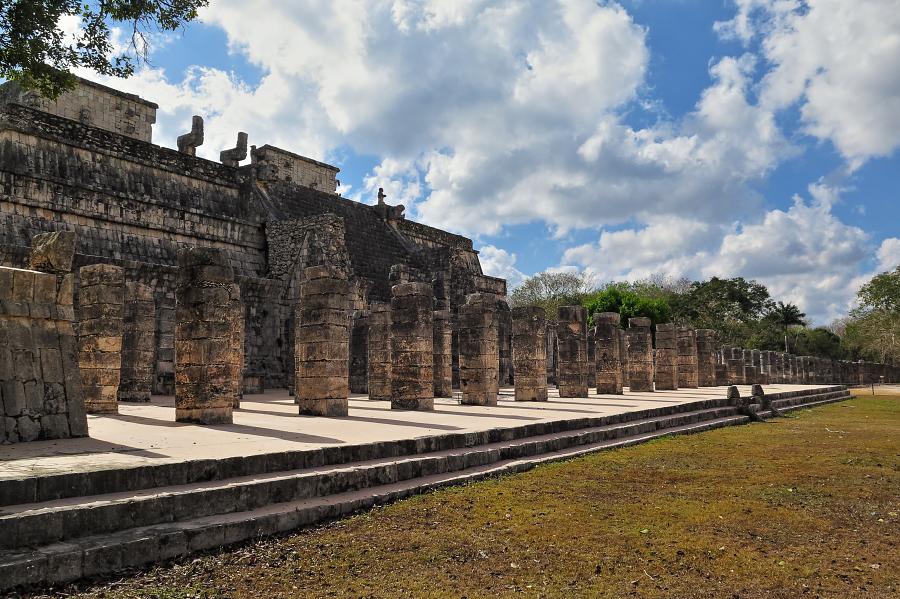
(41, 523)
(808, 401)
(103, 554)
(39, 488)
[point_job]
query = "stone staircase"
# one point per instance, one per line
(55, 529)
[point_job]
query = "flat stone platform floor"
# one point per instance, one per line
(147, 434)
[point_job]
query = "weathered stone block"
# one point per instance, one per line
(53, 252)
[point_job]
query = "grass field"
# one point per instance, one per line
(804, 506)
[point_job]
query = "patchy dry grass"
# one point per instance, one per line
(805, 506)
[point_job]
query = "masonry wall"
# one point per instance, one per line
(280, 165)
(95, 105)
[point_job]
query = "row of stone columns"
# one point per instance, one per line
(746, 367)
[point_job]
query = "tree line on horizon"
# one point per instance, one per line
(742, 312)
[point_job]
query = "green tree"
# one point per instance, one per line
(817, 342)
(37, 52)
(617, 297)
(731, 307)
(873, 330)
(550, 290)
(785, 316)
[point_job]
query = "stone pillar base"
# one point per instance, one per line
(573, 391)
(204, 415)
(609, 389)
(488, 398)
(323, 407)
(422, 404)
(531, 394)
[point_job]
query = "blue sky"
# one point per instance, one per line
(692, 138)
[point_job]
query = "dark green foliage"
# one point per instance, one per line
(38, 53)
(628, 304)
(741, 312)
(873, 330)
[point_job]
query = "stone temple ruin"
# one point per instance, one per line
(129, 270)
(85, 164)
(143, 270)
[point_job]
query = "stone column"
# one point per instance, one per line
(412, 340)
(237, 319)
(322, 343)
(138, 343)
(101, 312)
(749, 369)
(205, 390)
(552, 354)
(706, 358)
(688, 375)
(591, 359)
(442, 353)
(571, 334)
(666, 375)
(640, 355)
(479, 356)
(609, 362)
(379, 350)
(40, 383)
(623, 356)
(359, 351)
(734, 362)
(504, 343)
(529, 343)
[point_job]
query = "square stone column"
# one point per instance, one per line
(529, 342)
(750, 371)
(412, 352)
(706, 358)
(359, 352)
(205, 391)
(504, 343)
(40, 384)
(552, 354)
(479, 355)
(640, 354)
(688, 375)
(101, 312)
(322, 342)
(591, 359)
(442, 335)
(379, 363)
(734, 362)
(571, 334)
(666, 375)
(623, 355)
(138, 343)
(237, 320)
(606, 347)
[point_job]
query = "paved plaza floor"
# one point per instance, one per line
(147, 434)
